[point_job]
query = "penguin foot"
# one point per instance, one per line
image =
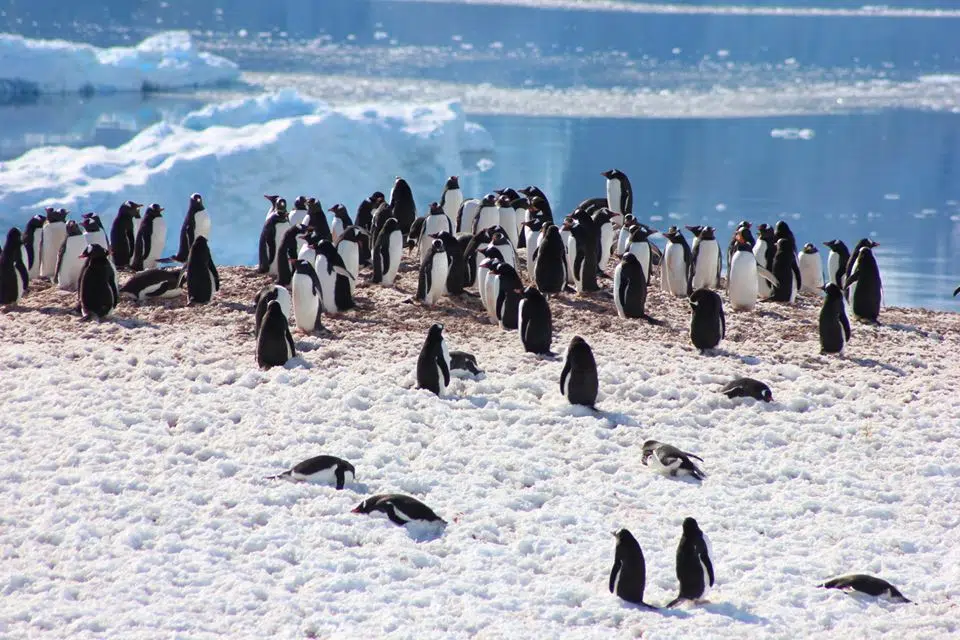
(86, 318)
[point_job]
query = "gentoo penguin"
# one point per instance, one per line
(451, 199)
(578, 380)
(532, 230)
(550, 262)
(14, 278)
(288, 253)
(316, 220)
(747, 388)
(782, 230)
(466, 216)
(870, 585)
(639, 245)
(364, 216)
(473, 255)
(487, 215)
(486, 283)
(746, 237)
(619, 193)
(403, 205)
(744, 276)
(299, 214)
(833, 324)
(348, 246)
(52, 236)
(196, 223)
(399, 508)
(520, 207)
(694, 564)
(272, 199)
(153, 283)
(199, 276)
(628, 577)
(383, 213)
(506, 299)
(32, 237)
(705, 260)
(676, 264)
(630, 288)
(322, 469)
(307, 300)
(436, 221)
(837, 261)
(623, 235)
(582, 244)
(591, 205)
(151, 236)
(122, 237)
(455, 261)
(535, 322)
(309, 249)
(787, 273)
(93, 231)
(97, 293)
(463, 361)
(538, 208)
(604, 226)
(864, 242)
(502, 243)
(70, 260)
(433, 364)
(508, 219)
(334, 279)
(811, 269)
(864, 285)
(433, 272)
(956, 291)
(265, 296)
(764, 250)
(670, 461)
(341, 220)
(271, 237)
(274, 342)
(586, 234)
(387, 253)
(708, 325)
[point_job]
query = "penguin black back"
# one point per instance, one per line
(364, 216)
(456, 270)
(747, 388)
(433, 364)
(870, 585)
(550, 262)
(787, 272)
(630, 288)
(628, 577)
(535, 322)
(707, 324)
(97, 292)
(13, 273)
(403, 205)
(865, 286)
(189, 227)
(399, 508)
(694, 564)
(834, 326)
(200, 275)
(274, 342)
(316, 220)
(122, 236)
(578, 380)
(838, 269)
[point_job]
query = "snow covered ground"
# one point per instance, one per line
(132, 456)
(167, 60)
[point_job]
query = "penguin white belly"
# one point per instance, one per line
(33, 270)
(470, 208)
(297, 216)
(452, 200)
(279, 230)
(488, 217)
(445, 351)
(811, 272)
(328, 283)
(617, 279)
(54, 235)
(492, 285)
(743, 285)
(532, 241)
(307, 253)
(336, 229)
(521, 312)
(508, 253)
(833, 265)
(606, 242)
(674, 279)
(705, 275)
(508, 220)
(96, 237)
(201, 225)
(71, 265)
(395, 249)
(283, 299)
(764, 288)
(623, 240)
(613, 196)
(350, 253)
(306, 303)
(482, 273)
(433, 224)
(438, 279)
(571, 244)
(157, 240)
(642, 251)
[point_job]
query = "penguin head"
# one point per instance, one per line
(603, 216)
(303, 267)
(377, 197)
(489, 263)
(438, 246)
(73, 229)
(300, 204)
(577, 341)
(14, 239)
(766, 233)
(273, 199)
(531, 292)
(503, 201)
(390, 225)
(744, 224)
(130, 208)
(200, 242)
(434, 333)
(281, 207)
(630, 259)
(624, 537)
(629, 220)
(36, 221)
(353, 233)
(489, 200)
(436, 209)
(648, 448)
(89, 224)
(781, 229)
(93, 251)
(536, 203)
(368, 505)
(196, 203)
(154, 210)
(56, 215)
(640, 232)
(833, 245)
(809, 248)
(510, 193)
(695, 229)
(453, 182)
(691, 528)
(314, 207)
(612, 174)
(708, 233)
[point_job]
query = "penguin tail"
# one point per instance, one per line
(652, 320)
(675, 602)
(648, 606)
(285, 474)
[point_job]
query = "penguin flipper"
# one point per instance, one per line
(845, 323)
(289, 338)
(765, 273)
(216, 276)
(956, 291)
(563, 376)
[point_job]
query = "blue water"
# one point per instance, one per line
(877, 169)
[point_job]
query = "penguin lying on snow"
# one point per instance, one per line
(694, 565)
(867, 584)
(153, 283)
(747, 388)
(628, 577)
(463, 361)
(399, 508)
(325, 469)
(670, 461)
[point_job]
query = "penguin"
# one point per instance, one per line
(93, 231)
(550, 262)
(433, 273)
(387, 252)
(274, 343)
(520, 208)
(956, 291)
(364, 216)
(811, 269)
(122, 236)
(535, 322)
(264, 297)
(676, 264)
(272, 199)
(833, 324)
(299, 214)
(433, 364)
(341, 220)
(747, 388)
(403, 205)
(70, 260)
(309, 249)
(97, 293)
(782, 230)
(348, 246)
(451, 199)
(578, 380)
(705, 260)
(746, 237)
(473, 254)
(14, 277)
(488, 214)
(708, 325)
(538, 208)
(630, 288)
(764, 250)
(153, 283)
(583, 247)
(744, 276)
(436, 221)
(334, 279)
(586, 236)
(602, 221)
(316, 219)
(864, 242)
(532, 192)
(628, 577)
(837, 261)
(507, 300)
(52, 237)
(486, 284)
(380, 217)
(288, 253)
(787, 273)
(619, 194)
(502, 243)
(864, 286)
(670, 461)
(271, 237)
(151, 236)
(532, 230)
(694, 564)
(466, 215)
(455, 262)
(639, 245)
(199, 276)
(508, 219)
(399, 508)
(463, 361)
(196, 223)
(591, 205)
(870, 585)
(307, 297)
(32, 238)
(323, 469)
(623, 235)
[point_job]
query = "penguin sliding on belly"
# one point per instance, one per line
(867, 584)
(399, 508)
(320, 469)
(668, 460)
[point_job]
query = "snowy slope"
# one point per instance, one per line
(132, 454)
(167, 60)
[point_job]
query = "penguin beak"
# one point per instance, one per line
(355, 510)
(613, 533)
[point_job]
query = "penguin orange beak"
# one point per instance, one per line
(355, 510)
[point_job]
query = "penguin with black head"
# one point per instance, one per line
(97, 293)
(535, 322)
(694, 564)
(274, 343)
(14, 278)
(433, 364)
(708, 325)
(122, 236)
(833, 325)
(628, 577)
(199, 276)
(579, 382)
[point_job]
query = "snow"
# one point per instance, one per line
(167, 60)
(134, 451)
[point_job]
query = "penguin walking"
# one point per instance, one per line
(122, 236)
(451, 199)
(433, 364)
(676, 264)
(320, 469)
(399, 508)
(97, 292)
(668, 460)
(52, 237)
(628, 577)
(865, 286)
(811, 269)
(403, 205)
(307, 297)
(93, 231)
(14, 278)
(387, 253)
(433, 273)
(837, 261)
(334, 279)
(32, 238)
(764, 250)
(153, 283)
(619, 194)
(550, 262)
(870, 585)
(535, 322)
(582, 245)
(341, 221)
(196, 223)
(787, 273)
(199, 276)
(70, 259)
(708, 325)
(578, 380)
(506, 300)
(274, 343)
(833, 325)
(630, 288)
(694, 564)
(744, 276)
(264, 297)
(151, 236)
(348, 246)
(271, 237)
(705, 260)
(747, 388)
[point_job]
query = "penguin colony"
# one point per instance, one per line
(463, 244)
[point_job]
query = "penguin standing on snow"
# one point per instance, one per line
(619, 194)
(578, 380)
(630, 288)
(811, 269)
(265, 296)
(744, 276)
(833, 325)
(153, 283)
(433, 273)
(399, 508)
(764, 251)
(628, 577)
(694, 564)
(403, 205)
(705, 260)
(451, 199)
(433, 364)
(307, 297)
(323, 469)
(274, 342)
(14, 278)
(52, 237)
(550, 262)
(271, 237)
(787, 273)
(151, 236)
(670, 461)
(196, 223)
(70, 260)
(676, 264)
(199, 276)
(708, 325)
(122, 236)
(348, 246)
(32, 238)
(870, 585)
(334, 279)
(747, 388)
(97, 290)
(387, 253)
(837, 261)
(535, 322)
(864, 285)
